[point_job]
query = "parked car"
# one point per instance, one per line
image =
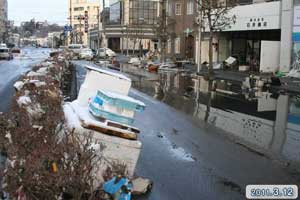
(76, 48)
(106, 52)
(86, 54)
(3, 45)
(5, 54)
(15, 52)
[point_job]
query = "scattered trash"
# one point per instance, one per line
(275, 81)
(230, 62)
(119, 188)
(141, 186)
(135, 61)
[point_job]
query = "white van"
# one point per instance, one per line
(76, 48)
(5, 54)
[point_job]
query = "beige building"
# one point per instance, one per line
(78, 9)
(3, 20)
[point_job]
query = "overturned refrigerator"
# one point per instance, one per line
(104, 110)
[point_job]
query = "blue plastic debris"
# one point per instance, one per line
(125, 196)
(113, 186)
(120, 189)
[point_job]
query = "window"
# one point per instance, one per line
(79, 9)
(177, 9)
(190, 8)
(144, 12)
(177, 45)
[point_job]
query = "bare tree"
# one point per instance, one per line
(215, 18)
(160, 29)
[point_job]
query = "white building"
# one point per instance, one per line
(85, 15)
(262, 34)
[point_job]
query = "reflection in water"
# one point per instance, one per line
(265, 122)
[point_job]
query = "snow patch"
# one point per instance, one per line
(19, 85)
(177, 152)
(24, 101)
(37, 83)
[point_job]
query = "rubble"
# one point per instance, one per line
(37, 111)
(141, 186)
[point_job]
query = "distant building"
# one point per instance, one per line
(132, 21)
(53, 40)
(3, 20)
(14, 39)
(78, 11)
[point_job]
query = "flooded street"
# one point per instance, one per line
(266, 123)
(244, 141)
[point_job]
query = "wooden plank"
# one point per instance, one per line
(129, 136)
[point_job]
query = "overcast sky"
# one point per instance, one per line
(54, 11)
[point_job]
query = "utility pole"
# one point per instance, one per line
(127, 38)
(80, 29)
(71, 32)
(199, 63)
(164, 26)
(98, 16)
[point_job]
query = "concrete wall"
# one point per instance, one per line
(269, 58)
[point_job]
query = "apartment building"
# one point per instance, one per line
(262, 34)
(3, 20)
(83, 16)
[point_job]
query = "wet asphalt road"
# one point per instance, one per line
(11, 70)
(189, 160)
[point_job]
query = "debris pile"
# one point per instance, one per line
(42, 159)
(46, 157)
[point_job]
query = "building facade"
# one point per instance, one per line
(84, 15)
(262, 31)
(131, 25)
(3, 20)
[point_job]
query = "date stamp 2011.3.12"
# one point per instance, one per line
(272, 192)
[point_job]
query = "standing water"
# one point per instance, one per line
(263, 122)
